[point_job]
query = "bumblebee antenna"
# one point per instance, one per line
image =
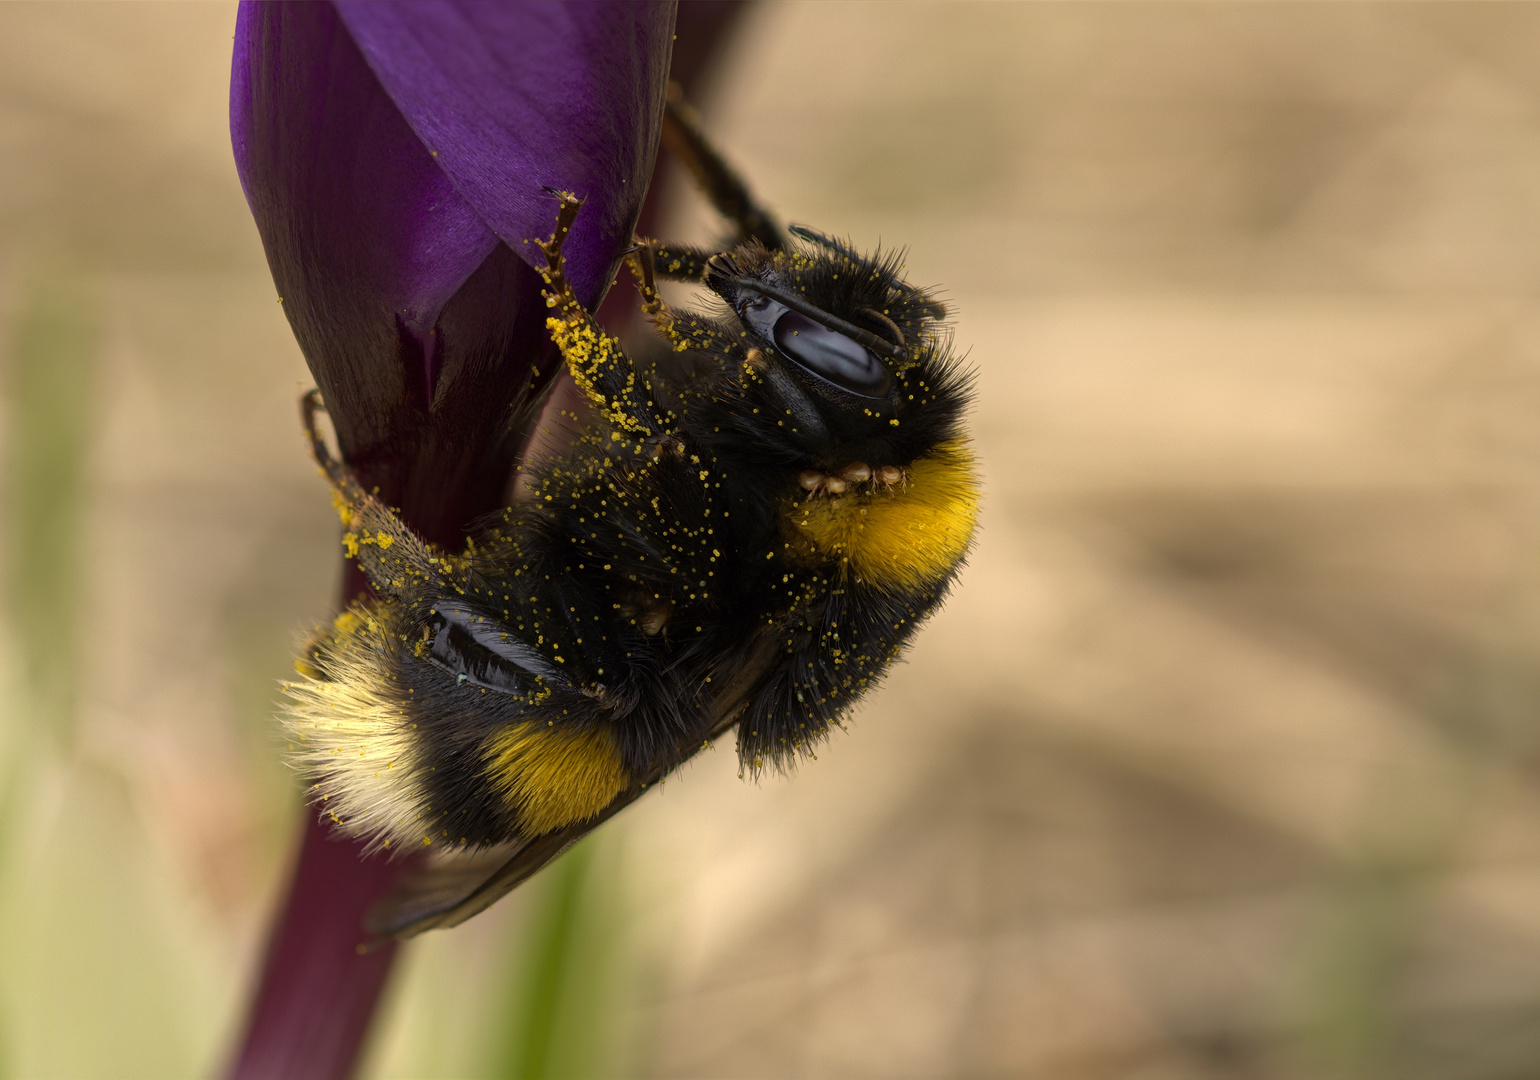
(822, 317)
(823, 240)
(898, 335)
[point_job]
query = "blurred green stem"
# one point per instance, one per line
(47, 394)
(1419, 809)
(562, 1019)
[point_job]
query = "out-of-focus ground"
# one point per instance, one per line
(1221, 763)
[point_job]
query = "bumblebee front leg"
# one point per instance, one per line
(728, 194)
(679, 262)
(598, 364)
(682, 329)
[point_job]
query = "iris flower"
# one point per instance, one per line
(396, 158)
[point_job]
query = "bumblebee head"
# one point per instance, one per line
(843, 359)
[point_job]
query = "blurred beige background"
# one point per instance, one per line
(1220, 764)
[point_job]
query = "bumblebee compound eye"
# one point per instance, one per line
(831, 354)
(836, 351)
(759, 313)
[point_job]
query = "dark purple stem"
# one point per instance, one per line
(316, 945)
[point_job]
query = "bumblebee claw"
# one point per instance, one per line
(310, 404)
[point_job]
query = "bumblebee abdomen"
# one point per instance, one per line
(351, 727)
(409, 754)
(552, 777)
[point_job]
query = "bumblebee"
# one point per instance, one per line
(744, 531)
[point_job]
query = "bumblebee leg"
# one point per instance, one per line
(683, 330)
(679, 262)
(644, 266)
(598, 364)
(833, 652)
(392, 555)
(309, 405)
(684, 139)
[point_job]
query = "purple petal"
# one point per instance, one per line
(511, 98)
(365, 235)
(420, 324)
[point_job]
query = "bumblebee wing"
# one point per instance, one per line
(449, 893)
(421, 895)
(446, 895)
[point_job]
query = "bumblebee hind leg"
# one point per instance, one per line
(396, 560)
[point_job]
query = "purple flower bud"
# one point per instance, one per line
(395, 157)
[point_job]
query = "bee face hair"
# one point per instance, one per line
(746, 532)
(838, 360)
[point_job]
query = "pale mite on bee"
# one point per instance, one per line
(751, 541)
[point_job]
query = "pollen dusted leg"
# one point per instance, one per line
(598, 365)
(683, 330)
